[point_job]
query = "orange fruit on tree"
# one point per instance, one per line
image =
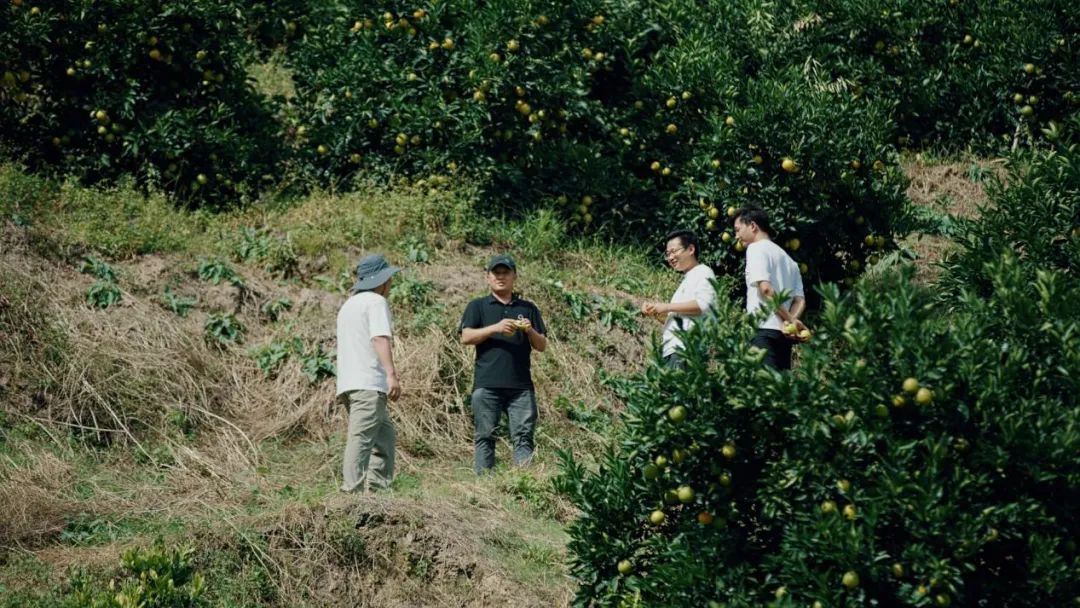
(850, 579)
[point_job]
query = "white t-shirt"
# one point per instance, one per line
(361, 318)
(767, 261)
(696, 285)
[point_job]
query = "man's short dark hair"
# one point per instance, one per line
(686, 239)
(751, 214)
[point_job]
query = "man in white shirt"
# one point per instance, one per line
(366, 377)
(770, 271)
(693, 298)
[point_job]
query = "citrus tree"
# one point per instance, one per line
(922, 454)
(157, 90)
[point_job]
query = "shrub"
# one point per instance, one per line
(914, 450)
(158, 577)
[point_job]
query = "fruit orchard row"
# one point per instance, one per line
(630, 119)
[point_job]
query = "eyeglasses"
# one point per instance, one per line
(670, 253)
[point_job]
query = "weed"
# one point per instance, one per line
(273, 309)
(276, 254)
(317, 365)
(98, 269)
(217, 272)
(180, 305)
(588, 417)
(103, 294)
(416, 250)
(222, 328)
(269, 357)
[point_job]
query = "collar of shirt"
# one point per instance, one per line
(491, 299)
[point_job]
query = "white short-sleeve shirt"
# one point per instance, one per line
(361, 318)
(696, 285)
(767, 261)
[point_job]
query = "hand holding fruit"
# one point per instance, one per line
(523, 324)
(797, 330)
(507, 327)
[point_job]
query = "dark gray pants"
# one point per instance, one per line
(777, 348)
(488, 404)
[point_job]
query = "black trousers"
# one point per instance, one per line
(777, 348)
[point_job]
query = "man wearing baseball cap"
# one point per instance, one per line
(505, 328)
(366, 377)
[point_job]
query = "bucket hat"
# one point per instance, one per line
(372, 270)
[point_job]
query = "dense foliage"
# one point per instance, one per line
(627, 118)
(923, 453)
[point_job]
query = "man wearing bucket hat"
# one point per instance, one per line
(505, 328)
(366, 377)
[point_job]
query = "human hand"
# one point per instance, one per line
(506, 327)
(796, 330)
(523, 324)
(651, 308)
(393, 387)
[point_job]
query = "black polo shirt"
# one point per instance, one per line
(502, 361)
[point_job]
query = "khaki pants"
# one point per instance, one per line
(369, 447)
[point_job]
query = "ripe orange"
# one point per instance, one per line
(705, 518)
(789, 165)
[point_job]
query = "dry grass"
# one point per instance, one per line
(31, 502)
(178, 429)
(950, 186)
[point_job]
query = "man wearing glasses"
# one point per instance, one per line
(693, 298)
